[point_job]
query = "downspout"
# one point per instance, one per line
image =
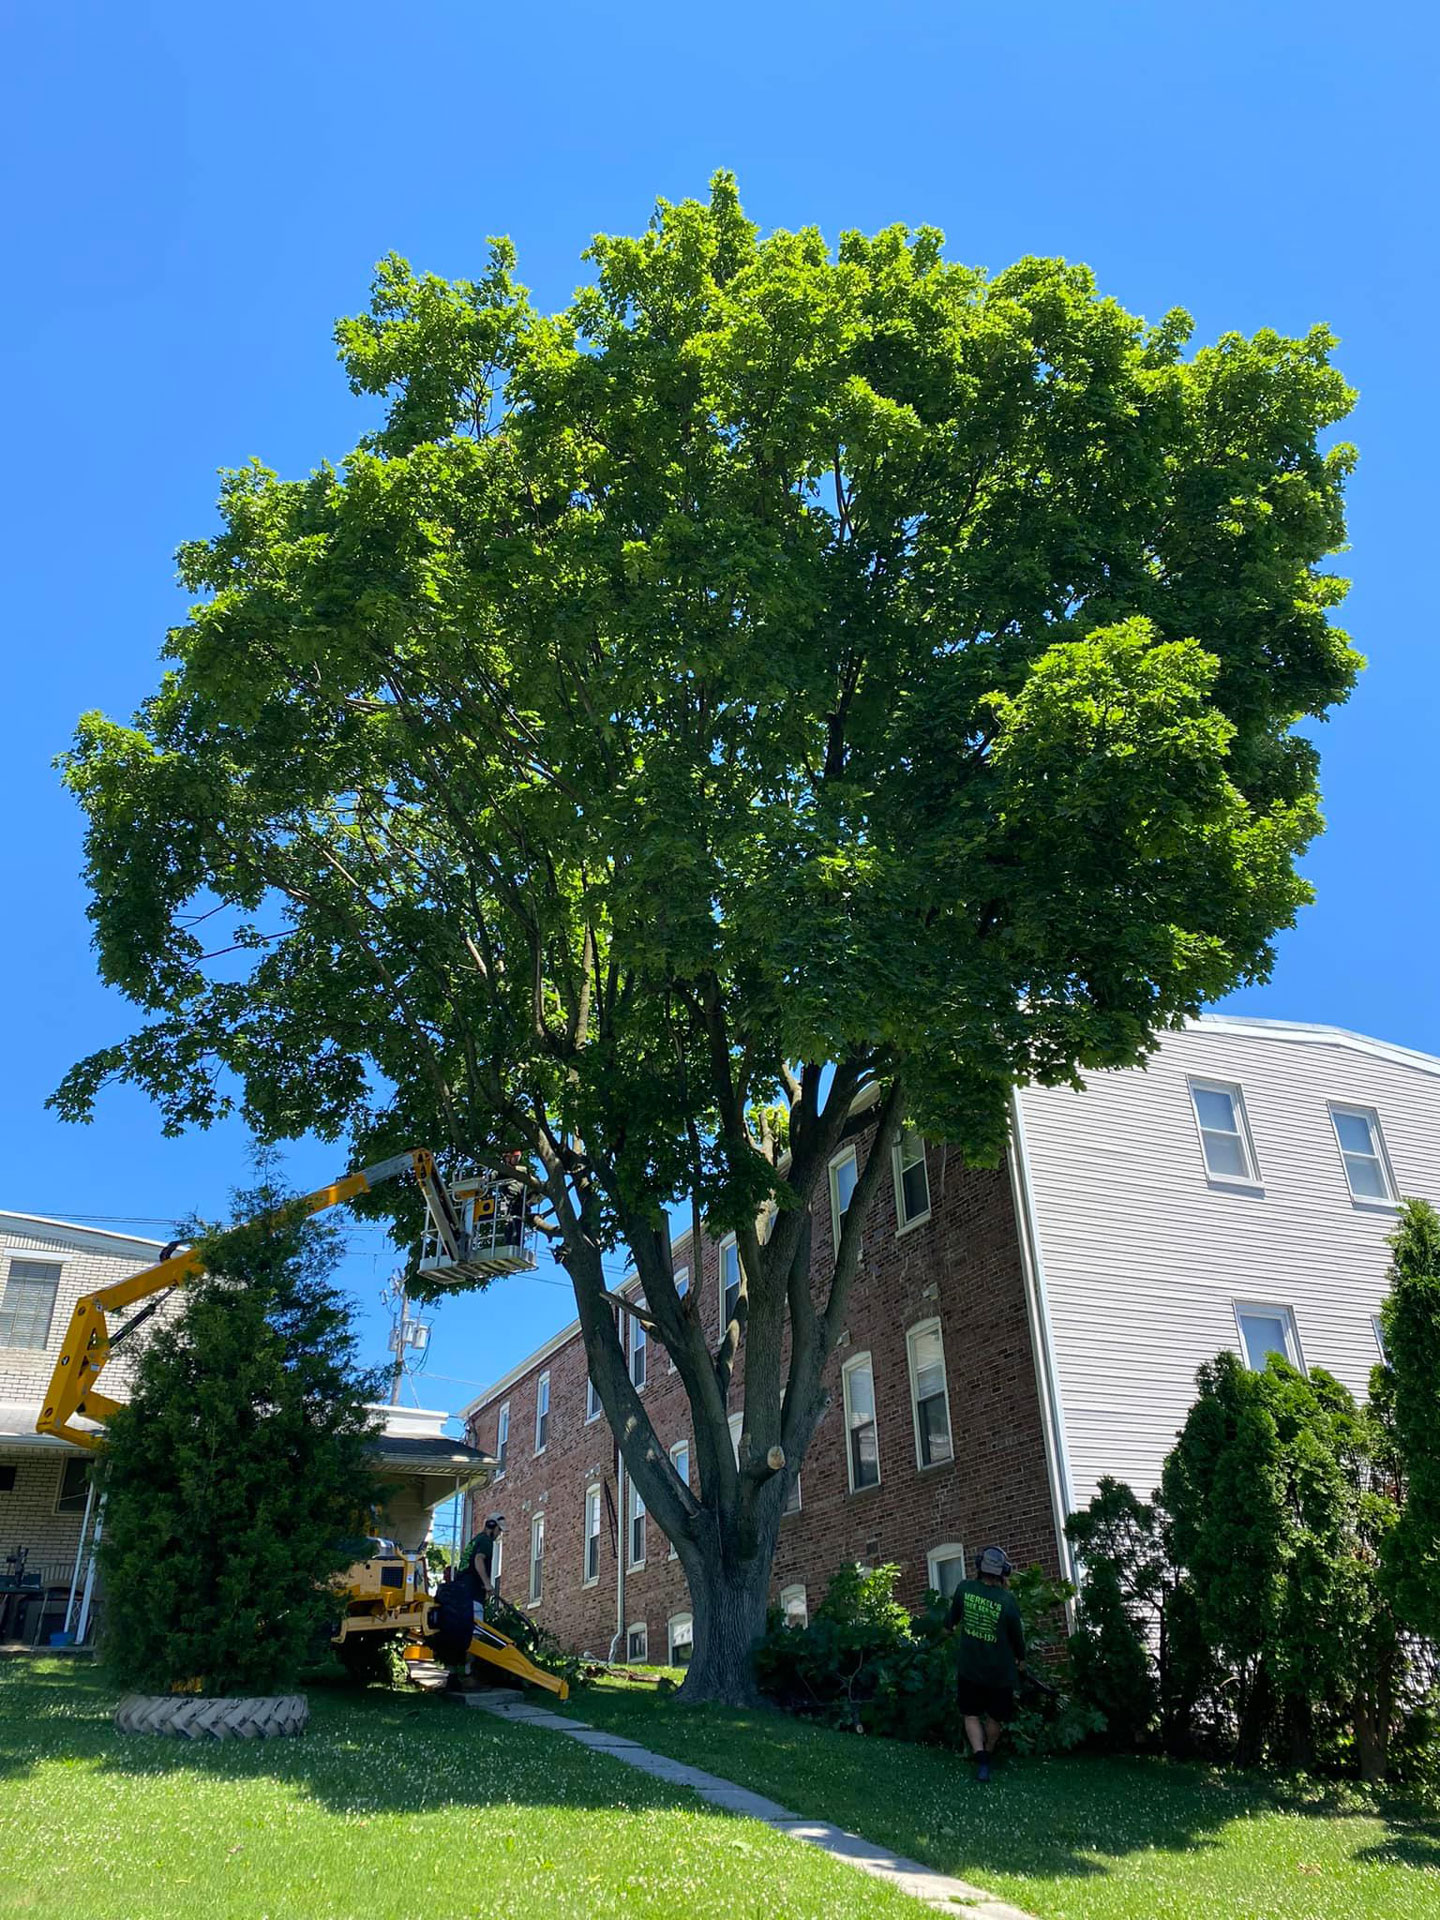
(622, 1526)
(1042, 1338)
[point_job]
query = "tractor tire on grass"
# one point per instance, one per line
(182, 1716)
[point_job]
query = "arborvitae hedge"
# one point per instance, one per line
(240, 1473)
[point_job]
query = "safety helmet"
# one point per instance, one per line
(496, 1520)
(994, 1561)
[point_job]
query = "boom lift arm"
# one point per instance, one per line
(88, 1341)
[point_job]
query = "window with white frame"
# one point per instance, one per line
(682, 1287)
(637, 1641)
(502, 1438)
(844, 1172)
(794, 1608)
(592, 1534)
(537, 1558)
(1224, 1131)
(1264, 1330)
(681, 1635)
(729, 1280)
(680, 1460)
(945, 1567)
(542, 1412)
(912, 1182)
(27, 1305)
(593, 1409)
(862, 1449)
(1362, 1149)
(497, 1559)
(637, 1526)
(638, 1346)
(928, 1397)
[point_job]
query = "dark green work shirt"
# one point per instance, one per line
(992, 1640)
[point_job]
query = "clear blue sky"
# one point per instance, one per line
(193, 193)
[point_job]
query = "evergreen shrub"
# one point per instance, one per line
(240, 1472)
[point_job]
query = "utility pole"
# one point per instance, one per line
(409, 1337)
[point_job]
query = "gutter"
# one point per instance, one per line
(1042, 1339)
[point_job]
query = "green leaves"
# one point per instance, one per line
(782, 654)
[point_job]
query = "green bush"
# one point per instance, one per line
(866, 1664)
(534, 1641)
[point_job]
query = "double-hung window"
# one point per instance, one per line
(729, 1280)
(1224, 1131)
(638, 1345)
(680, 1460)
(862, 1449)
(928, 1396)
(912, 1182)
(793, 1607)
(637, 1641)
(502, 1438)
(1362, 1149)
(637, 1527)
(682, 1282)
(844, 1172)
(28, 1304)
(592, 1401)
(537, 1558)
(592, 1534)
(1265, 1330)
(682, 1639)
(542, 1412)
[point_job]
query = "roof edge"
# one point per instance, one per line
(1318, 1034)
(34, 1224)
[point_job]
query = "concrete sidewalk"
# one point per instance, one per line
(920, 1882)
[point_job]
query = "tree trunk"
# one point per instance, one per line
(728, 1600)
(1255, 1717)
(1372, 1739)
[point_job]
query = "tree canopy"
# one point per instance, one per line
(785, 672)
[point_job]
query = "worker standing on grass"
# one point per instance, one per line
(986, 1615)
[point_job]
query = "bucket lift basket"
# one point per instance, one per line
(489, 1232)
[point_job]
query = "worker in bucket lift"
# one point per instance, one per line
(461, 1601)
(510, 1202)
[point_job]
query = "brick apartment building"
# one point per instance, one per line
(1012, 1334)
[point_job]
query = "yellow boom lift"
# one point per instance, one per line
(473, 1230)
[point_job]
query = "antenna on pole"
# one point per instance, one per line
(409, 1335)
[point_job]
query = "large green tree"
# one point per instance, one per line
(1407, 1390)
(786, 673)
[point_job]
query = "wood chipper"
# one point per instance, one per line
(477, 1229)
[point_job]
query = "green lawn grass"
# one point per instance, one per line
(1075, 1838)
(394, 1806)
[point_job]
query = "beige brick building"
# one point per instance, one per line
(45, 1267)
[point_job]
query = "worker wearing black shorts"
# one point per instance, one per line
(986, 1617)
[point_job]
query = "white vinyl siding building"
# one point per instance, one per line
(1161, 1226)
